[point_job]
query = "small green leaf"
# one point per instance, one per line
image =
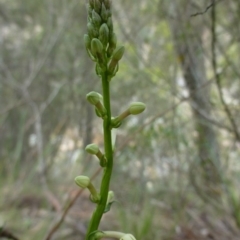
(108, 207)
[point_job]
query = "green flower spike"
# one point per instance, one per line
(94, 149)
(85, 182)
(101, 44)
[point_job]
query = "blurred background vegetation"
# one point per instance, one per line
(177, 170)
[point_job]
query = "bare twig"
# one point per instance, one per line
(209, 119)
(206, 9)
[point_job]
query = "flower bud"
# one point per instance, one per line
(92, 149)
(97, 6)
(104, 13)
(113, 39)
(113, 67)
(110, 24)
(89, 9)
(136, 108)
(110, 197)
(85, 182)
(87, 41)
(110, 201)
(118, 53)
(96, 47)
(96, 18)
(112, 43)
(92, 32)
(107, 3)
(82, 181)
(104, 34)
(127, 237)
(94, 97)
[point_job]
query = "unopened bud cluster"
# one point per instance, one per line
(101, 41)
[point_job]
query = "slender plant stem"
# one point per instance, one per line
(97, 215)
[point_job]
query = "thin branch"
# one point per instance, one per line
(217, 75)
(201, 13)
(209, 119)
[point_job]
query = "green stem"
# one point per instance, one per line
(97, 215)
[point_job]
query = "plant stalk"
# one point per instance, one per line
(97, 215)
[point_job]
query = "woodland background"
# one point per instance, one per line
(177, 169)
